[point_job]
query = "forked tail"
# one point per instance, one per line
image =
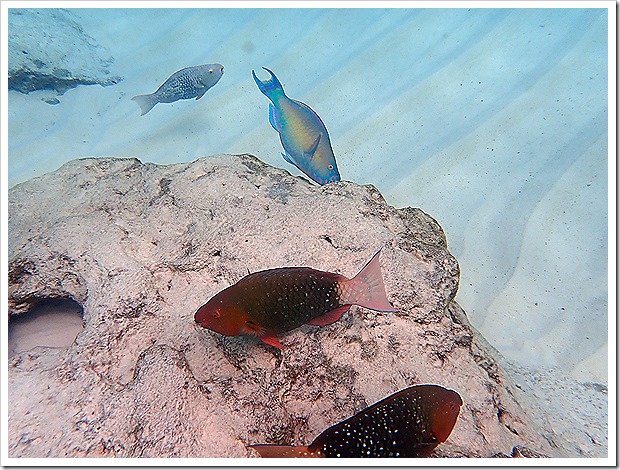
(273, 451)
(146, 102)
(367, 288)
(271, 87)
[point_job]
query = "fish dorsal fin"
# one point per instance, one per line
(330, 317)
(273, 120)
(310, 153)
(308, 108)
(251, 328)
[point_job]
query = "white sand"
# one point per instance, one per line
(492, 121)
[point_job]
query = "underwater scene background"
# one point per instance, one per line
(494, 121)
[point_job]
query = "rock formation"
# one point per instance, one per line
(49, 50)
(140, 247)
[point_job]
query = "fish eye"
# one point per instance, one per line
(210, 70)
(331, 167)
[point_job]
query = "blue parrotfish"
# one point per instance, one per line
(184, 84)
(409, 423)
(274, 301)
(303, 135)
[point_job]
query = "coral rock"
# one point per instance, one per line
(141, 247)
(38, 60)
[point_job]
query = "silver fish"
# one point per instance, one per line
(185, 84)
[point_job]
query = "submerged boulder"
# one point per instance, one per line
(140, 247)
(49, 50)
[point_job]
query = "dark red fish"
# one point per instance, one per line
(409, 423)
(267, 303)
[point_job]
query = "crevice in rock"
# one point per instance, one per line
(50, 323)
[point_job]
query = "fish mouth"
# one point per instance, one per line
(333, 179)
(330, 179)
(201, 318)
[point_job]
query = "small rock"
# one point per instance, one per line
(49, 50)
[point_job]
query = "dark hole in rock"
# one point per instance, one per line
(52, 323)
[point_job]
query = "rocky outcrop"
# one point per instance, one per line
(140, 247)
(49, 50)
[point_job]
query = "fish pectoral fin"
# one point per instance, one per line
(251, 328)
(310, 153)
(287, 157)
(271, 340)
(330, 317)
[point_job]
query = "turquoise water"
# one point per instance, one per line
(494, 121)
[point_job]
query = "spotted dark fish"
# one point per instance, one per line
(267, 303)
(409, 423)
(185, 84)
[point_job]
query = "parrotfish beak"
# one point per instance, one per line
(267, 86)
(201, 317)
(334, 178)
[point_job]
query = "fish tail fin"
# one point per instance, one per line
(267, 451)
(367, 288)
(270, 88)
(146, 102)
